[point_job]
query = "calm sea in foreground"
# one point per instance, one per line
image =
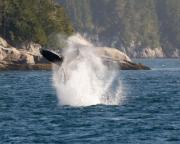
(150, 113)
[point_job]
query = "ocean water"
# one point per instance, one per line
(150, 113)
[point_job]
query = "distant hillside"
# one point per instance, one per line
(141, 28)
(32, 20)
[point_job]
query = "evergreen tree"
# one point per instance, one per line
(32, 20)
(147, 23)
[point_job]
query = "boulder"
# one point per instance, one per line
(32, 48)
(112, 56)
(3, 43)
(26, 58)
(176, 53)
(112, 53)
(12, 55)
(2, 54)
(152, 53)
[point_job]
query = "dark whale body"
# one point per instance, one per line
(52, 56)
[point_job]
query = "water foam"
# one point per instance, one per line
(83, 79)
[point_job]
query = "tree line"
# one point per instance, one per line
(128, 23)
(32, 20)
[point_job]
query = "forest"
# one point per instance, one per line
(133, 24)
(32, 20)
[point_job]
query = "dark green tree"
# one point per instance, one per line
(148, 23)
(32, 20)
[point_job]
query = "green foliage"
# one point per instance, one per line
(32, 20)
(148, 23)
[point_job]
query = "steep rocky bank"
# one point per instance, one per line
(140, 28)
(25, 58)
(28, 57)
(112, 56)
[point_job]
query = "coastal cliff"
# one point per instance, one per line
(25, 58)
(140, 28)
(28, 57)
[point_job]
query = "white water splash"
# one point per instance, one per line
(84, 80)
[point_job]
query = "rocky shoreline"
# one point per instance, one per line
(28, 57)
(7, 67)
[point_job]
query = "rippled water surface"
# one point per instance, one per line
(150, 113)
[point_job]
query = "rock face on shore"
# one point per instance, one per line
(28, 57)
(112, 56)
(112, 53)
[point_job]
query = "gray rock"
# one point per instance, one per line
(3, 43)
(30, 58)
(112, 56)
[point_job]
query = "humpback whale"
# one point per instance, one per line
(52, 56)
(56, 59)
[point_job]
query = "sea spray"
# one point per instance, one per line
(83, 79)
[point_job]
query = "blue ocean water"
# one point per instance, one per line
(150, 113)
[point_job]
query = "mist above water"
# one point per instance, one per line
(83, 79)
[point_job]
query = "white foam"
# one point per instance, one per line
(84, 80)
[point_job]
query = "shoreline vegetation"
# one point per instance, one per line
(23, 24)
(27, 26)
(32, 21)
(140, 28)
